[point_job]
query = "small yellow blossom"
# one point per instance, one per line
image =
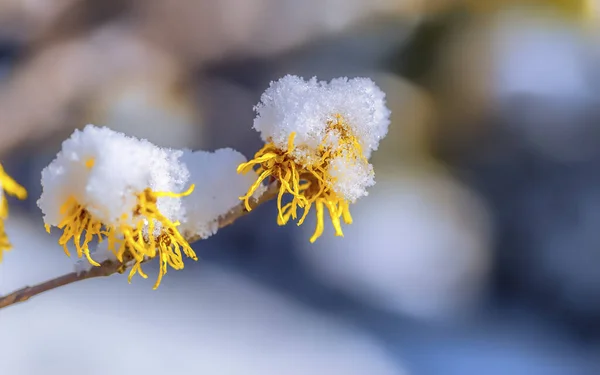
(318, 138)
(308, 183)
(106, 186)
(7, 186)
(130, 240)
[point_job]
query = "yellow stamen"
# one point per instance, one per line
(89, 163)
(140, 243)
(77, 220)
(130, 240)
(9, 187)
(274, 163)
(320, 222)
(323, 197)
(5, 244)
(309, 184)
(345, 211)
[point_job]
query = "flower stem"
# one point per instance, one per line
(109, 267)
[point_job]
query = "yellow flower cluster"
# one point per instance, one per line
(135, 243)
(309, 183)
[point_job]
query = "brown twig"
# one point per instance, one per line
(109, 267)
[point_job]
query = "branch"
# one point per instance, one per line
(109, 267)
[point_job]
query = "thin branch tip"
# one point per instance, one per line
(109, 268)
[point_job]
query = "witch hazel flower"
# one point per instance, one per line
(318, 139)
(8, 186)
(109, 186)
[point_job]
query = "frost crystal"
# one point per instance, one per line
(292, 104)
(104, 170)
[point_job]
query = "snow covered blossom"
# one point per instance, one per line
(106, 185)
(143, 201)
(318, 139)
(10, 187)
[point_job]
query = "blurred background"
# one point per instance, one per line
(477, 252)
